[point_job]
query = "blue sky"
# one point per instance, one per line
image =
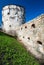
(33, 8)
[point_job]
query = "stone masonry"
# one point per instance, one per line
(12, 18)
(31, 34)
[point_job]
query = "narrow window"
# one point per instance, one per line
(33, 25)
(29, 38)
(8, 13)
(9, 25)
(39, 42)
(23, 36)
(25, 26)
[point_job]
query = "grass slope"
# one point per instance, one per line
(13, 53)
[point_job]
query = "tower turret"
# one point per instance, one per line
(12, 18)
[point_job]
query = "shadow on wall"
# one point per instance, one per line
(8, 35)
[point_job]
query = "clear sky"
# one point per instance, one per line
(33, 8)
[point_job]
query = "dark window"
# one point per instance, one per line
(8, 13)
(29, 38)
(39, 42)
(9, 25)
(33, 25)
(25, 26)
(23, 36)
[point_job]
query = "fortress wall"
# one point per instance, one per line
(12, 17)
(31, 34)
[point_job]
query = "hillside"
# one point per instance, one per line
(13, 53)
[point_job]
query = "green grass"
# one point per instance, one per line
(13, 53)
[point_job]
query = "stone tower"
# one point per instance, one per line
(12, 18)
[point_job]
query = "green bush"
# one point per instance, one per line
(13, 53)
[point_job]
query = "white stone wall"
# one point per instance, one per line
(31, 34)
(12, 18)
